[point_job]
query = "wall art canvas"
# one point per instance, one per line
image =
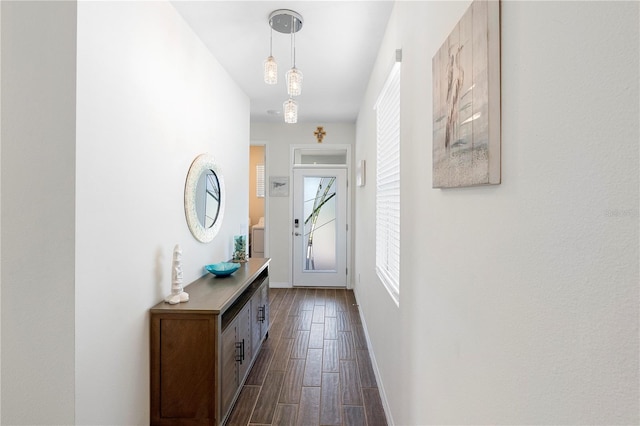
(466, 101)
(279, 186)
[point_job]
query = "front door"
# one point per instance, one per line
(320, 227)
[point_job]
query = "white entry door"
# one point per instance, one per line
(320, 227)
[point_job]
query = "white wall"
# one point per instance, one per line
(38, 150)
(0, 219)
(38, 220)
(150, 99)
(279, 138)
(518, 302)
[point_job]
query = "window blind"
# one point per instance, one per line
(260, 180)
(388, 184)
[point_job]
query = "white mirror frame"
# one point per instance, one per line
(202, 163)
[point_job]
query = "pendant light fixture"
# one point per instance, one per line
(285, 21)
(294, 76)
(290, 108)
(270, 64)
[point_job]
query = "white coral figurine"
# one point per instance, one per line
(177, 291)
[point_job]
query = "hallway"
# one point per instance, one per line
(314, 368)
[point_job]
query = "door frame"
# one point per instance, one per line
(295, 149)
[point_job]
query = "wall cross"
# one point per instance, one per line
(320, 133)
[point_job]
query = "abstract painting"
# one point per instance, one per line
(466, 101)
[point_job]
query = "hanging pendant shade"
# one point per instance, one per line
(294, 82)
(270, 64)
(270, 70)
(294, 76)
(290, 108)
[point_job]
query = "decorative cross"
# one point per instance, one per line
(320, 133)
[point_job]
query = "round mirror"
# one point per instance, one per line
(204, 198)
(208, 198)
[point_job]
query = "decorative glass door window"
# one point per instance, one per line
(319, 224)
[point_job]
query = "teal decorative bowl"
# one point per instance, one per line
(222, 269)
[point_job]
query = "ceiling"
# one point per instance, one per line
(335, 50)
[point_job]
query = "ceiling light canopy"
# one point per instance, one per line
(285, 21)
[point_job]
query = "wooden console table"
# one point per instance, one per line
(202, 350)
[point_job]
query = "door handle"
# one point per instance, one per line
(297, 234)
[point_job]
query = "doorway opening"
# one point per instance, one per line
(257, 208)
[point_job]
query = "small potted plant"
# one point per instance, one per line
(240, 249)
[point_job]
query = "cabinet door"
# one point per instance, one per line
(264, 297)
(229, 373)
(259, 315)
(236, 355)
(182, 368)
(256, 323)
(244, 341)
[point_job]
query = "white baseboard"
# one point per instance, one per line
(374, 363)
(275, 284)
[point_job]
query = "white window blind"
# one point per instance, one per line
(388, 184)
(260, 180)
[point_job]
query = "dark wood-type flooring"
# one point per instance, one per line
(314, 368)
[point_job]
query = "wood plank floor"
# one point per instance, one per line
(314, 369)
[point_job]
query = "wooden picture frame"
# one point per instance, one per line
(466, 101)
